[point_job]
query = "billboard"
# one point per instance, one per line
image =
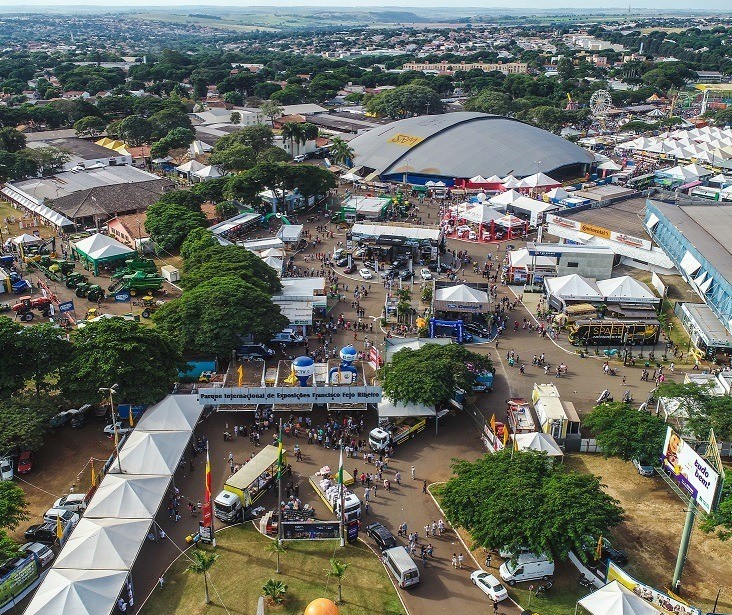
(289, 395)
(689, 470)
(648, 593)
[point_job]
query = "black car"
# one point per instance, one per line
(383, 538)
(342, 261)
(80, 420)
(255, 352)
(477, 329)
(45, 533)
(406, 274)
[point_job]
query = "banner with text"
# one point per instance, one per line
(289, 395)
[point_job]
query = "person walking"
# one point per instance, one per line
(488, 560)
(424, 486)
(398, 478)
(413, 473)
(161, 580)
(454, 562)
(460, 561)
(495, 606)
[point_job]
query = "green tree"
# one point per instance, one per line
(272, 110)
(189, 199)
(489, 101)
(13, 505)
(45, 349)
(169, 224)
(274, 590)
(144, 362)
(295, 134)
(177, 138)
(277, 548)
(196, 246)
(310, 180)
(556, 512)
(201, 563)
(211, 317)
(11, 368)
(24, 422)
(236, 158)
(11, 140)
(431, 374)
(90, 126)
(49, 160)
(340, 152)
(703, 411)
(406, 101)
(226, 209)
(9, 548)
(169, 119)
(212, 190)
(135, 130)
(338, 570)
(235, 117)
(719, 521)
(259, 138)
(624, 432)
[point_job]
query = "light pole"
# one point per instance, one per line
(112, 390)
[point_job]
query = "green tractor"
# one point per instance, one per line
(132, 267)
(93, 292)
(75, 278)
(141, 282)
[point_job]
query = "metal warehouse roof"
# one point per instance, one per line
(464, 144)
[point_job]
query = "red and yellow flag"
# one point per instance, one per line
(208, 478)
(493, 424)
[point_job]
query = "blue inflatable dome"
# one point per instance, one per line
(303, 361)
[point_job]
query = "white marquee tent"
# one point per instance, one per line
(572, 288)
(616, 599)
(98, 247)
(461, 294)
(153, 452)
(127, 497)
(538, 180)
(78, 592)
(523, 258)
(505, 198)
(510, 182)
(174, 413)
(558, 194)
(626, 289)
(481, 214)
(209, 172)
(27, 240)
(537, 441)
(104, 544)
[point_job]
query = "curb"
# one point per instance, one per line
(460, 538)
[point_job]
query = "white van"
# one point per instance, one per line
(6, 468)
(527, 567)
(402, 566)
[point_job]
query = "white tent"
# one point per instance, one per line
(127, 497)
(275, 263)
(510, 182)
(505, 198)
(198, 148)
(493, 179)
(538, 180)
(100, 246)
(523, 258)
(209, 172)
(626, 289)
(271, 252)
(481, 214)
(78, 592)
(616, 599)
(478, 179)
(190, 167)
(351, 177)
(389, 408)
(461, 294)
(573, 288)
(697, 170)
(609, 165)
(155, 452)
(104, 544)
(174, 413)
(510, 221)
(27, 240)
(558, 194)
(537, 441)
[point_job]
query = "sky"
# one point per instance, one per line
(703, 5)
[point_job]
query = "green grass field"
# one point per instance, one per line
(245, 565)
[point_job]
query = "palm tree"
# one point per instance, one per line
(294, 133)
(337, 570)
(277, 547)
(201, 564)
(340, 151)
(274, 590)
(311, 131)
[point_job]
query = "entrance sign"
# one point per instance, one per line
(291, 395)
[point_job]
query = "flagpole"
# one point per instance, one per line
(279, 488)
(208, 498)
(343, 503)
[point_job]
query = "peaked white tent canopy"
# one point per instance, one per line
(462, 294)
(537, 441)
(174, 413)
(190, 167)
(208, 172)
(558, 193)
(98, 247)
(478, 179)
(505, 198)
(390, 408)
(626, 288)
(81, 592)
(609, 165)
(523, 258)
(573, 288)
(493, 179)
(538, 180)
(27, 240)
(510, 182)
(104, 544)
(154, 452)
(481, 214)
(697, 170)
(127, 497)
(616, 599)
(274, 262)
(510, 221)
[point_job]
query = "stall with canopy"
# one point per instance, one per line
(101, 250)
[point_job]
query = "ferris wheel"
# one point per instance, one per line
(600, 103)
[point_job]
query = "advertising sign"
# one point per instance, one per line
(405, 140)
(66, 306)
(123, 295)
(289, 395)
(649, 594)
(16, 579)
(599, 231)
(689, 470)
(310, 530)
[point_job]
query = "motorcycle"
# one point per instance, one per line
(628, 397)
(604, 397)
(585, 582)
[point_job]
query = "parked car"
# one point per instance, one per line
(351, 269)
(66, 516)
(643, 469)
(366, 274)
(405, 274)
(121, 429)
(6, 468)
(489, 585)
(254, 352)
(45, 533)
(342, 261)
(289, 337)
(383, 538)
(25, 462)
(43, 552)
(477, 329)
(75, 502)
(63, 417)
(300, 158)
(425, 273)
(80, 420)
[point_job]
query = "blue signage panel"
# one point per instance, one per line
(122, 296)
(66, 306)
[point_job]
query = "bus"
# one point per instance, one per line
(609, 332)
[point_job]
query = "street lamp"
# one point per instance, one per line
(112, 390)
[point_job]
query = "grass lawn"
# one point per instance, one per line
(245, 565)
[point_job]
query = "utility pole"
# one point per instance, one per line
(279, 488)
(684, 546)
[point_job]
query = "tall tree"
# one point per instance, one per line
(11, 140)
(90, 126)
(24, 421)
(272, 110)
(144, 362)
(338, 570)
(45, 350)
(340, 152)
(135, 130)
(277, 547)
(12, 370)
(169, 223)
(406, 101)
(211, 317)
(201, 563)
(13, 505)
(521, 500)
(703, 410)
(431, 374)
(294, 133)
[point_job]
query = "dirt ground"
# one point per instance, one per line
(652, 531)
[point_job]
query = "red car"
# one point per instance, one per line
(25, 462)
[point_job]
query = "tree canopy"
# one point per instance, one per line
(12, 505)
(24, 421)
(624, 432)
(406, 101)
(517, 500)
(703, 410)
(431, 374)
(169, 223)
(143, 361)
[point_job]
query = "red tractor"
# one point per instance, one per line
(25, 306)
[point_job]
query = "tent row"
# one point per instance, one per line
(93, 567)
(573, 288)
(708, 144)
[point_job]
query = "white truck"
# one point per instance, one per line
(329, 491)
(401, 430)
